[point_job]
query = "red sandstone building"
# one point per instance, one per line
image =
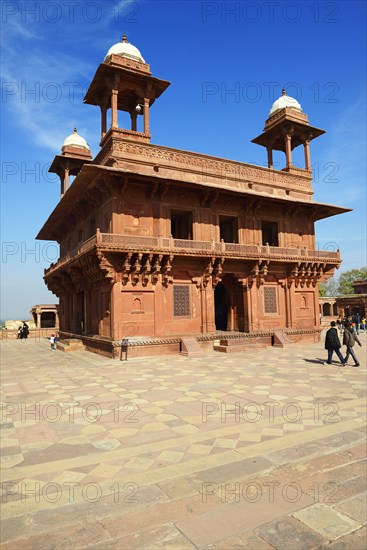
(159, 243)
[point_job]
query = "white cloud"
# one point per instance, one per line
(43, 88)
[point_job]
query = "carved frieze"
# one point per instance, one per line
(220, 168)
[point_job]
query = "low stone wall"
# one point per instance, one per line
(147, 347)
(37, 333)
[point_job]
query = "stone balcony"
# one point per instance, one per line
(108, 242)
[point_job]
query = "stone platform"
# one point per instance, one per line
(256, 450)
(237, 346)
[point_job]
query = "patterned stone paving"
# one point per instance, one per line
(259, 450)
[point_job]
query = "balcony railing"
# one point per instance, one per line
(169, 245)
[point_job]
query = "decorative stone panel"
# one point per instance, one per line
(181, 301)
(270, 299)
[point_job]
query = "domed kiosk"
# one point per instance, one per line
(125, 49)
(123, 82)
(75, 152)
(75, 141)
(286, 128)
(284, 101)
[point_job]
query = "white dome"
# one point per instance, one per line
(285, 101)
(124, 49)
(75, 140)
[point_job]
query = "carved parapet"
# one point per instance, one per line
(230, 174)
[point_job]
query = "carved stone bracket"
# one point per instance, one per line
(305, 274)
(156, 269)
(136, 268)
(208, 272)
(107, 267)
(166, 270)
(126, 267)
(218, 271)
(146, 270)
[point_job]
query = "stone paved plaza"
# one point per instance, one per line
(259, 450)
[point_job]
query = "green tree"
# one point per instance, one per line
(330, 288)
(348, 277)
(322, 292)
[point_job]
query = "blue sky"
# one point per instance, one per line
(227, 62)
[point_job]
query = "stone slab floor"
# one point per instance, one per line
(259, 450)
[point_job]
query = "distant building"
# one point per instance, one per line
(160, 243)
(45, 316)
(328, 307)
(354, 303)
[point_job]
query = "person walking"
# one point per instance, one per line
(363, 323)
(52, 342)
(20, 334)
(349, 339)
(332, 343)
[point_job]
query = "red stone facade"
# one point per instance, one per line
(158, 243)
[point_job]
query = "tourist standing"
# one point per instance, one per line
(349, 339)
(25, 330)
(332, 343)
(358, 322)
(363, 323)
(20, 334)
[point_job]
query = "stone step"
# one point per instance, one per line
(235, 346)
(190, 347)
(70, 345)
(237, 349)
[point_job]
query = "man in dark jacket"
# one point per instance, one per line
(332, 343)
(349, 339)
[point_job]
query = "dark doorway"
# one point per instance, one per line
(79, 329)
(48, 319)
(229, 305)
(181, 224)
(221, 307)
(228, 229)
(270, 233)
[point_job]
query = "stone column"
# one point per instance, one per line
(133, 121)
(203, 309)
(288, 150)
(306, 146)
(247, 320)
(210, 308)
(288, 309)
(62, 186)
(66, 180)
(292, 303)
(38, 320)
(146, 115)
(114, 119)
(270, 157)
(317, 308)
(103, 121)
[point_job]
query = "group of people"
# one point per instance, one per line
(332, 342)
(356, 321)
(23, 331)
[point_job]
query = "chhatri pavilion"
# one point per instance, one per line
(170, 250)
